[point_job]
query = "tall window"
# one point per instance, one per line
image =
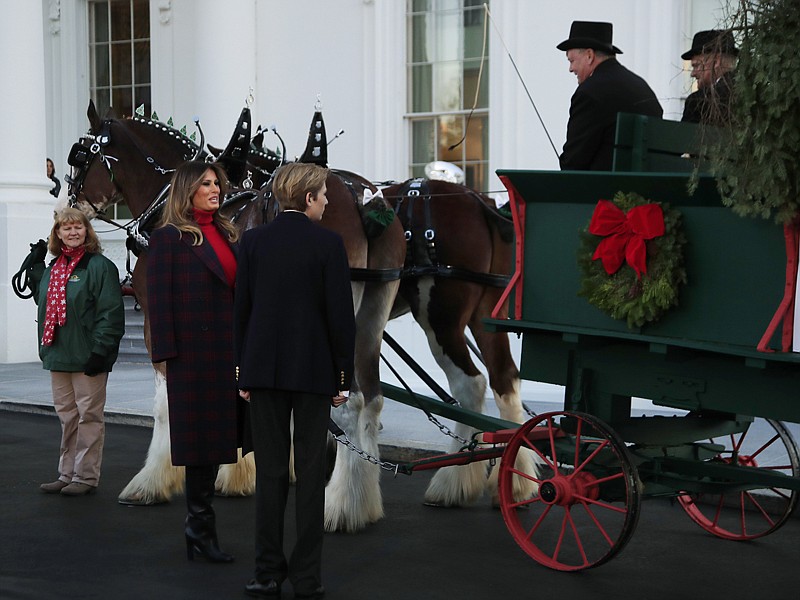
(119, 54)
(445, 49)
(119, 61)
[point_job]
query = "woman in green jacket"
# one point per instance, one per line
(81, 322)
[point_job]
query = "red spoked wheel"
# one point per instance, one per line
(589, 493)
(747, 514)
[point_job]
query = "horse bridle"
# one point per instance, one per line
(81, 155)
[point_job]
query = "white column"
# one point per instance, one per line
(26, 206)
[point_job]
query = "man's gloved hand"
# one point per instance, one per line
(96, 364)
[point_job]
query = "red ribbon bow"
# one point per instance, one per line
(625, 234)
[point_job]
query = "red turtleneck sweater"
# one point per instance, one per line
(223, 251)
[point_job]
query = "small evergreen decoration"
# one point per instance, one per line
(623, 294)
(758, 167)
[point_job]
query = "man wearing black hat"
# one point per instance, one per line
(605, 88)
(713, 57)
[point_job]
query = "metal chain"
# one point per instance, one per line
(447, 431)
(386, 466)
(442, 427)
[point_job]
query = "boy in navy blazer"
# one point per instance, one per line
(294, 341)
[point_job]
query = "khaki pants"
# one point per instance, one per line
(79, 401)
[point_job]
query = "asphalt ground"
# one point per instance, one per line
(93, 547)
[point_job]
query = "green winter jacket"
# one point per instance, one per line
(95, 316)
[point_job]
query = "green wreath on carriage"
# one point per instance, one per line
(631, 258)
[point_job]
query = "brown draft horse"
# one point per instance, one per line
(459, 254)
(134, 159)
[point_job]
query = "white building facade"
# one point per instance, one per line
(357, 56)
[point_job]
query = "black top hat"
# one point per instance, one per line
(590, 34)
(713, 40)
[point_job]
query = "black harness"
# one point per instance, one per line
(421, 256)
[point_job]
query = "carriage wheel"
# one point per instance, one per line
(588, 496)
(751, 513)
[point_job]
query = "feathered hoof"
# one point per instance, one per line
(456, 486)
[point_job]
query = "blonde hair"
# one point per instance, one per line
(178, 211)
(66, 216)
(293, 181)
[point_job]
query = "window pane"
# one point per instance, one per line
(141, 19)
(471, 71)
(451, 129)
(121, 64)
(102, 100)
(420, 5)
(476, 142)
(417, 171)
(447, 34)
(120, 20)
(473, 34)
(100, 21)
(122, 101)
(141, 62)
(142, 96)
(475, 176)
(419, 39)
(447, 86)
(421, 88)
(423, 136)
(99, 66)
(441, 5)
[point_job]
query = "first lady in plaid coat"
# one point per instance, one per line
(191, 269)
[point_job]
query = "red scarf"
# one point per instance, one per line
(220, 246)
(57, 291)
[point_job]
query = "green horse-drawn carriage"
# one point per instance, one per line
(721, 450)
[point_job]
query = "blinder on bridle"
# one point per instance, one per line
(81, 156)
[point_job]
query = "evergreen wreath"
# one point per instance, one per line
(623, 294)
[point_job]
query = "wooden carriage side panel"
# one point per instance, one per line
(735, 266)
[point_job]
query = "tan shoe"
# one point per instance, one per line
(78, 489)
(53, 487)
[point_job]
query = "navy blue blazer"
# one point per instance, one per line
(593, 115)
(294, 327)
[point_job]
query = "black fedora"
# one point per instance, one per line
(590, 34)
(713, 40)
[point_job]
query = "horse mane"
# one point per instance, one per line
(189, 147)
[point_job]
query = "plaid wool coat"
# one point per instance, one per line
(190, 309)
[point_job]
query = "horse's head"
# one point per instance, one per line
(91, 187)
(130, 158)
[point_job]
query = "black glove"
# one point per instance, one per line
(96, 364)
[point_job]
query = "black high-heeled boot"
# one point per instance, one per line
(201, 530)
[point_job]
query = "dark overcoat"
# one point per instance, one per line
(190, 310)
(611, 89)
(711, 106)
(295, 329)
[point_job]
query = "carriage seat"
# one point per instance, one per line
(649, 144)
